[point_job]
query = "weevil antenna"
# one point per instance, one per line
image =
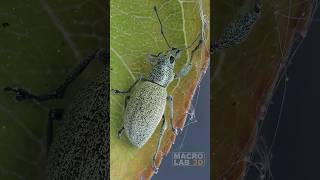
(161, 29)
(199, 36)
(195, 49)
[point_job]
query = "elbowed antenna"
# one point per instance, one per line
(155, 10)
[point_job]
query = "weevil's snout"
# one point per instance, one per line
(172, 55)
(175, 52)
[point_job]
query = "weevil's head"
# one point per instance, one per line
(169, 58)
(163, 65)
(172, 55)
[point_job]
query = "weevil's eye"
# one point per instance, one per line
(171, 59)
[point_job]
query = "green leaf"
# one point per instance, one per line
(41, 42)
(135, 32)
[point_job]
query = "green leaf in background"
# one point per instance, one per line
(244, 78)
(135, 32)
(40, 43)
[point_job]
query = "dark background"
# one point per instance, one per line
(295, 153)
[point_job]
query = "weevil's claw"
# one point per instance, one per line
(120, 131)
(175, 131)
(21, 94)
(173, 142)
(155, 168)
(119, 135)
(115, 91)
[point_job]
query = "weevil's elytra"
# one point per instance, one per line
(146, 107)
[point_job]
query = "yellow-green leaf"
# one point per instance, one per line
(135, 32)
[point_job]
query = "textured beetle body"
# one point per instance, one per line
(239, 30)
(146, 102)
(79, 149)
(144, 111)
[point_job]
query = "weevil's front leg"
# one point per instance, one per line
(116, 91)
(186, 68)
(162, 130)
(170, 100)
(153, 59)
(58, 93)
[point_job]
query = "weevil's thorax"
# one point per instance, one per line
(161, 75)
(162, 72)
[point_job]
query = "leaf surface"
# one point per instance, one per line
(135, 32)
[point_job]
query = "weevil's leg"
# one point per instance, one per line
(126, 101)
(170, 100)
(116, 91)
(152, 59)
(162, 130)
(186, 69)
(120, 132)
(58, 93)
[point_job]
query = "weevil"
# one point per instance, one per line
(238, 31)
(79, 148)
(146, 98)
